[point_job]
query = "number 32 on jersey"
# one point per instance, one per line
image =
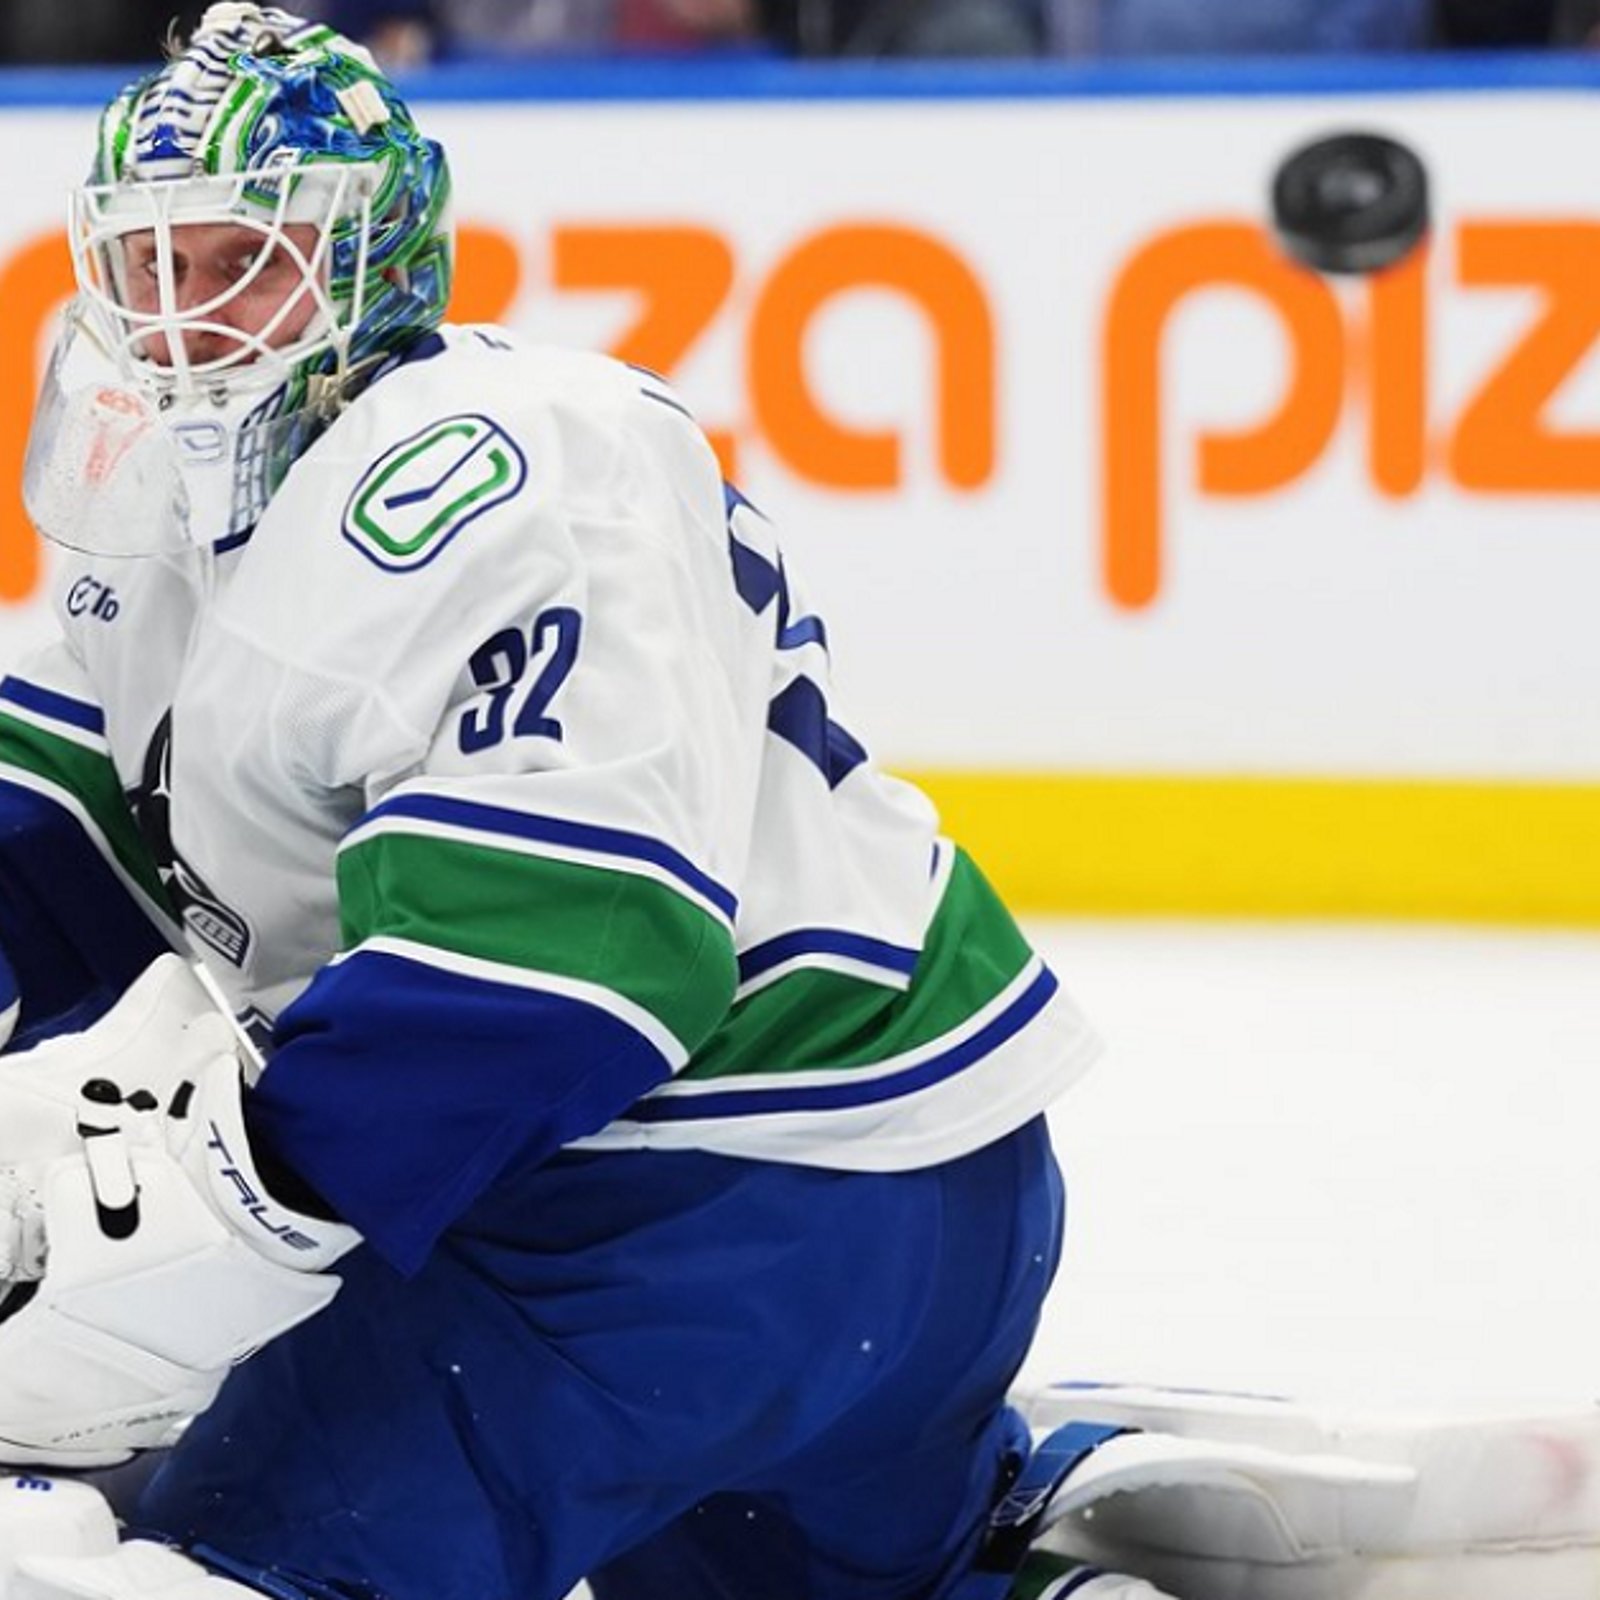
(520, 671)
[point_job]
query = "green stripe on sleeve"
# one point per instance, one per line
(815, 1019)
(626, 933)
(92, 780)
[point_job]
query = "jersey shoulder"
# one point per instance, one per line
(491, 369)
(474, 431)
(481, 412)
(452, 499)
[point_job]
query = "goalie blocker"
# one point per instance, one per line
(141, 1254)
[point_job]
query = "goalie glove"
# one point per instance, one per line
(150, 1257)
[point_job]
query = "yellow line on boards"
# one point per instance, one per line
(1474, 851)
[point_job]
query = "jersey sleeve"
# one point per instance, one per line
(82, 910)
(537, 907)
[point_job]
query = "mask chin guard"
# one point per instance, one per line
(113, 469)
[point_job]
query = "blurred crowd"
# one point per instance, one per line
(408, 33)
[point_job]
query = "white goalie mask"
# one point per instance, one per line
(264, 225)
(204, 350)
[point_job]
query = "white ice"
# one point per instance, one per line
(1350, 1163)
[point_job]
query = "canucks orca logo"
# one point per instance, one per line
(205, 916)
(419, 494)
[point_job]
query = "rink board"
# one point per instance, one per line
(1186, 579)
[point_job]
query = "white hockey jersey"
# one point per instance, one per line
(497, 774)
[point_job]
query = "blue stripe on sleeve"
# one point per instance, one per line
(478, 817)
(825, 941)
(802, 631)
(755, 579)
(401, 1092)
(845, 754)
(799, 716)
(47, 703)
(851, 1090)
(733, 499)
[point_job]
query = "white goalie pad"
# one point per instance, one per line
(1220, 1497)
(50, 1519)
(138, 1569)
(164, 1261)
(125, 1339)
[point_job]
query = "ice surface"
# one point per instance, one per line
(1355, 1163)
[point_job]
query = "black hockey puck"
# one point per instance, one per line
(1350, 203)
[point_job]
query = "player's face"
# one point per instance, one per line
(235, 279)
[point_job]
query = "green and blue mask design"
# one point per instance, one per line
(281, 133)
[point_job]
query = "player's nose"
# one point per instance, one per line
(216, 332)
(217, 342)
(199, 346)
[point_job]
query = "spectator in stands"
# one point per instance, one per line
(409, 33)
(1123, 28)
(686, 24)
(40, 31)
(405, 33)
(1503, 24)
(926, 28)
(402, 32)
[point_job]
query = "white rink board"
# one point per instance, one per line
(1320, 627)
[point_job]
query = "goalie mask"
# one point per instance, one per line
(263, 226)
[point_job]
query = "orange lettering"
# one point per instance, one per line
(682, 275)
(33, 284)
(488, 275)
(1502, 441)
(925, 271)
(1151, 285)
(1397, 376)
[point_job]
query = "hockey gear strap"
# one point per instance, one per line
(1020, 1516)
(146, 1255)
(1006, 1566)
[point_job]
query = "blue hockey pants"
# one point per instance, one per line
(682, 1375)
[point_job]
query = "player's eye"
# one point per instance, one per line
(255, 261)
(143, 272)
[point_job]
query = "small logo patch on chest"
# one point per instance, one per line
(89, 597)
(419, 494)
